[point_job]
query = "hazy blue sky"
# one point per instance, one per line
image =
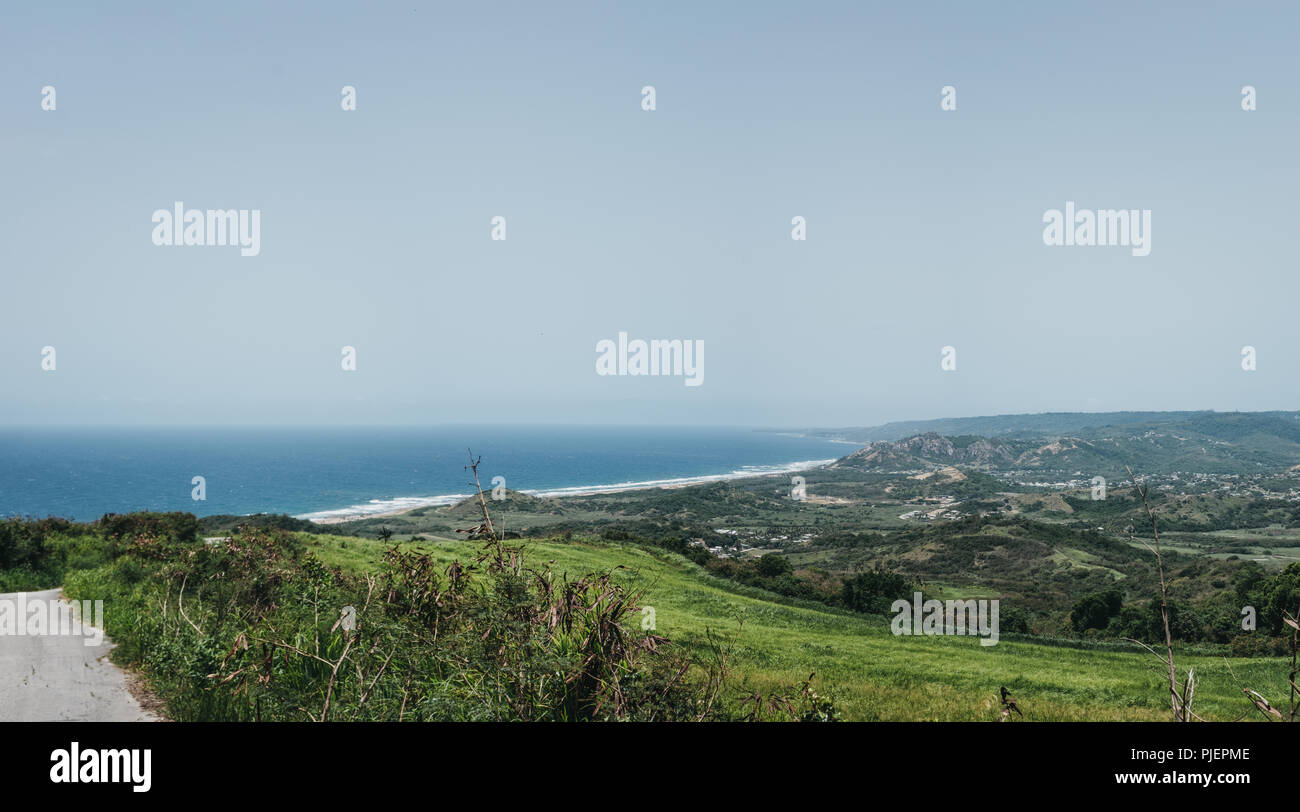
(924, 227)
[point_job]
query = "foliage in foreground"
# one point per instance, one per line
(255, 627)
(876, 676)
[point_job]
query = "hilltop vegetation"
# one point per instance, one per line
(1225, 444)
(1223, 425)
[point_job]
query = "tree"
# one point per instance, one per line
(772, 565)
(1281, 594)
(1095, 611)
(873, 591)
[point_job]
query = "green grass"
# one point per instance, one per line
(944, 591)
(873, 674)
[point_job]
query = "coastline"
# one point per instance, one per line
(388, 508)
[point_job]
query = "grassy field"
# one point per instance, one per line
(872, 674)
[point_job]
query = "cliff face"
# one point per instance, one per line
(931, 451)
(928, 451)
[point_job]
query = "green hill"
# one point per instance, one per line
(1045, 423)
(873, 674)
(1085, 444)
(515, 501)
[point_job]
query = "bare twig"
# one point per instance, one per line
(1292, 621)
(366, 694)
(487, 520)
(1179, 703)
(181, 605)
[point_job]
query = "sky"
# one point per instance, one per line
(924, 226)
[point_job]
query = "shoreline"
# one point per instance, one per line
(403, 505)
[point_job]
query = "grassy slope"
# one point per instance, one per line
(873, 674)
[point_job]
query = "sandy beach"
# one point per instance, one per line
(357, 513)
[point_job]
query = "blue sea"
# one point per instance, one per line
(339, 473)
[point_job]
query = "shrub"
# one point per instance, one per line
(873, 591)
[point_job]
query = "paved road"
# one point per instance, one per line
(60, 678)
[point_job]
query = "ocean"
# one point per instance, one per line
(334, 473)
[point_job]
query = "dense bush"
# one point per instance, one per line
(1095, 611)
(256, 628)
(35, 554)
(772, 565)
(181, 527)
(873, 591)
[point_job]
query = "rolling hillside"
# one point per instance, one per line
(1083, 444)
(873, 674)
